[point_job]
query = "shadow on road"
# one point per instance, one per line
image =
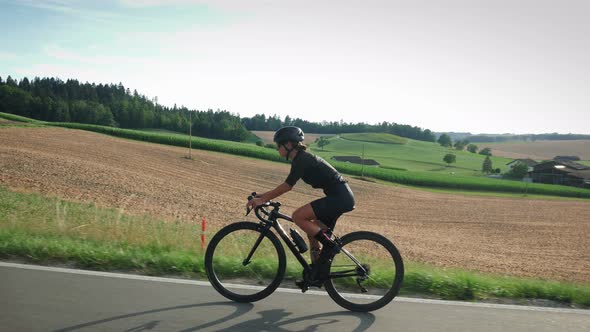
(241, 308)
(270, 320)
(274, 320)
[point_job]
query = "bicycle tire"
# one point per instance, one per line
(215, 268)
(369, 242)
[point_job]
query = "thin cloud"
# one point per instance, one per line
(8, 56)
(156, 3)
(71, 8)
(60, 53)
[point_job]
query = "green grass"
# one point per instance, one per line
(413, 155)
(47, 230)
(465, 285)
(382, 138)
(17, 118)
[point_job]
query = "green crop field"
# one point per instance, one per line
(382, 138)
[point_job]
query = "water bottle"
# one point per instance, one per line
(298, 240)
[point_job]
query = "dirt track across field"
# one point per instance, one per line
(509, 236)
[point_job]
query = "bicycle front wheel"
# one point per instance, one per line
(367, 273)
(244, 263)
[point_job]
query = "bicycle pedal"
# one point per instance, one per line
(303, 285)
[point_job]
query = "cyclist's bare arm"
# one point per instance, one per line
(269, 195)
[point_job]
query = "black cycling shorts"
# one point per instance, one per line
(339, 199)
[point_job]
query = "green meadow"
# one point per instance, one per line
(400, 153)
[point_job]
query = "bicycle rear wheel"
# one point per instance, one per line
(375, 282)
(234, 277)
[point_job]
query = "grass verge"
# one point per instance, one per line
(49, 230)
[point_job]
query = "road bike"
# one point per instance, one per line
(246, 262)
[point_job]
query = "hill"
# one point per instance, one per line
(408, 154)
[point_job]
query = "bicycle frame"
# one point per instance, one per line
(272, 222)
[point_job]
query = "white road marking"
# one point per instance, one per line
(286, 290)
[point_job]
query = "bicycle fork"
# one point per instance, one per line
(256, 244)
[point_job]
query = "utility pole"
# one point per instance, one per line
(363, 163)
(190, 135)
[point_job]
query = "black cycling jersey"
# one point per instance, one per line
(313, 170)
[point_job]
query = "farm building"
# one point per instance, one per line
(566, 158)
(529, 162)
(356, 160)
(562, 172)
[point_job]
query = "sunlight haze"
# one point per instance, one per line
(464, 66)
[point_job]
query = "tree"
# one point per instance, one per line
(11, 82)
(25, 84)
(472, 148)
(518, 171)
(460, 145)
(322, 141)
(449, 158)
(487, 166)
(486, 152)
(445, 140)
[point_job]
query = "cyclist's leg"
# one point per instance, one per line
(314, 244)
(304, 217)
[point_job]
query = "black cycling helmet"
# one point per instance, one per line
(289, 133)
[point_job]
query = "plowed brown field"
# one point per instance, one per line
(509, 236)
(540, 150)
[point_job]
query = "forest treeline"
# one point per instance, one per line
(261, 122)
(55, 100)
(51, 99)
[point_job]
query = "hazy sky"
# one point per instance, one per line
(478, 66)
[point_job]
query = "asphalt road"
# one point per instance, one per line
(34, 298)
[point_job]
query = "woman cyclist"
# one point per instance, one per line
(317, 218)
